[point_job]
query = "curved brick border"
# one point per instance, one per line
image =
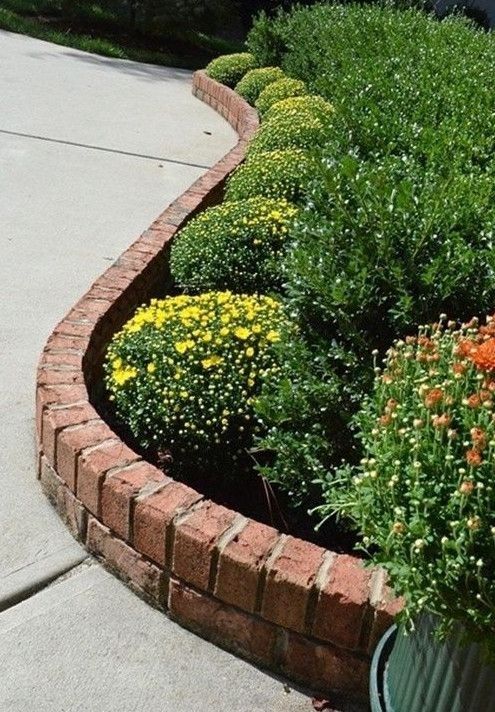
(279, 601)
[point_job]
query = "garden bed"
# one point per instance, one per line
(285, 603)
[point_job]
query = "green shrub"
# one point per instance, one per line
(276, 174)
(423, 496)
(386, 246)
(400, 220)
(392, 94)
(184, 371)
(230, 68)
(282, 89)
(291, 130)
(267, 39)
(295, 107)
(304, 122)
(236, 245)
(253, 83)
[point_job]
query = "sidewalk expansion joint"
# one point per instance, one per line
(31, 590)
(90, 147)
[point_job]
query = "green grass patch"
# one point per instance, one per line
(94, 28)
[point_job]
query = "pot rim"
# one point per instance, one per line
(377, 670)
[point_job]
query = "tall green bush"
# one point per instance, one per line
(399, 223)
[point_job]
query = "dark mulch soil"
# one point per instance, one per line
(245, 491)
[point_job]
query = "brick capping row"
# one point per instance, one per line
(279, 601)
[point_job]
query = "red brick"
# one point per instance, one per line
(153, 516)
(240, 564)
(226, 626)
(71, 442)
(115, 278)
(99, 292)
(142, 576)
(64, 359)
(142, 247)
(92, 467)
(343, 603)
(289, 582)
(195, 539)
(190, 201)
(136, 260)
(57, 395)
(118, 492)
(159, 235)
(55, 419)
(91, 309)
(386, 606)
(174, 215)
(50, 481)
(69, 328)
(55, 376)
(324, 668)
(72, 513)
(61, 342)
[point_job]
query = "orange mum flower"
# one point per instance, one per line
(466, 487)
(459, 367)
(474, 401)
(484, 355)
(478, 436)
(473, 458)
(441, 421)
(465, 347)
(433, 397)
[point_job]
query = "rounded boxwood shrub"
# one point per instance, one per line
(304, 131)
(277, 91)
(230, 68)
(297, 106)
(274, 174)
(184, 372)
(236, 245)
(254, 81)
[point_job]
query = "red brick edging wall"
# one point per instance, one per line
(282, 602)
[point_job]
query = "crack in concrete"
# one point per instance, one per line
(40, 585)
(104, 149)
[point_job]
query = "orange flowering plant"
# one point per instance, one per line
(423, 495)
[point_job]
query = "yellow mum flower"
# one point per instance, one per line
(151, 367)
(273, 336)
(181, 346)
(122, 375)
(242, 333)
(211, 361)
(250, 352)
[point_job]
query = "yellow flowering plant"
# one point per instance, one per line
(273, 174)
(423, 496)
(300, 122)
(253, 82)
(184, 372)
(230, 68)
(297, 106)
(235, 245)
(281, 89)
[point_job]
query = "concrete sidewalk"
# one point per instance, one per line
(91, 150)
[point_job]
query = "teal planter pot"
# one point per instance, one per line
(416, 673)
